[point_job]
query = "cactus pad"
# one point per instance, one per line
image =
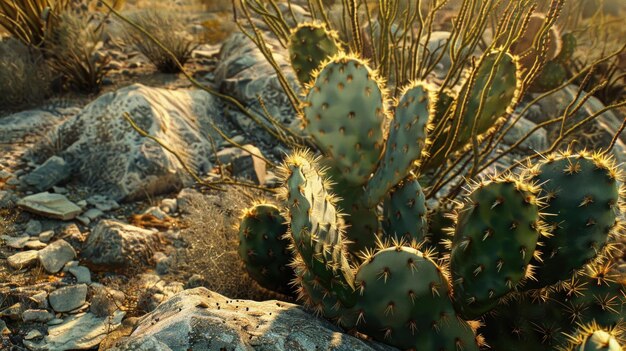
(404, 211)
(310, 44)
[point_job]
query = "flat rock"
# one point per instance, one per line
(15, 242)
(54, 256)
(78, 332)
(33, 315)
(111, 158)
(68, 298)
(50, 205)
(116, 243)
(250, 165)
(199, 319)
(52, 172)
(82, 274)
(23, 259)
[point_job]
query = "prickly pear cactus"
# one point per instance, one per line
(406, 140)
(310, 44)
(263, 249)
(583, 196)
(404, 212)
(345, 112)
(315, 227)
(495, 237)
(594, 338)
(551, 77)
(483, 100)
(404, 301)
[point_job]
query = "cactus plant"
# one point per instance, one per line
(592, 337)
(263, 249)
(310, 44)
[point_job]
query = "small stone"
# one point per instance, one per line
(169, 205)
(42, 316)
(59, 190)
(103, 203)
(55, 170)
(3, 328)
(83, 220)
(50, 205)
(70, 264)
(82, 274)
(68, 298)
(41, 299)
(163, 265)
(23, 259)
(33, 334)
(15, 242)
(82, 203)
(55, 321)
(13, 312)
(93, 213)
(105, 301)
(35, 245)
(46, 236)
(56, 255)
(33, 227)
(156, 212)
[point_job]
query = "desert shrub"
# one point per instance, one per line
(29, 20)
(25, 80)
(169, 29)
(216, 5)
(74, 51)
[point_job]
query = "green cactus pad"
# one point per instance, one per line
(316, 228)
(495, 238)
(404, 301)
(404, 211)
(406, 141)
(440, 231)
(551, 77)
(263, 249)
(567, 50)
(582, 192)
(498, 98)
(310, 44)
(345, 111)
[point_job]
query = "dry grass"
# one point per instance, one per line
(169, 29)
(25, 79)
(29, 20)
(75, 51)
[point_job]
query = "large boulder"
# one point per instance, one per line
(105, 153)
(245, 74)
(199, 319)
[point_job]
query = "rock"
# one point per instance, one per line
(250, 165)
(21, 124)
(23, 259)
(82, 274)
(33, 227)
(116, 243)
(155, 290)
(243, 73)
(15, 242)
(52, 172)
(169, 205)
(105, 301)
(35, 245)
(56, 255)
(3, 328)
(50, 205)
(42, 316)
(199, 319)
(103, 203)
(110, 158)
(46, 236)
(33, 334)
(93, 213)
(8, 199)
(79, 332)
(13, 312)
(68, 298)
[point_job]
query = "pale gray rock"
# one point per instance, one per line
(32, 315)
(50, 205)
(33, 227)
(199, 319)
(169, 205)
(35, 244)
(52, 172)
(82, 274)
(68, 298)
(109, 157)
(243, 72)
(46, 236)
(93, 213)
(21, 124)
(250, 165)
(54, 256)
(78, 332)
(23, 259)
(33, 334)
(116, 243)
(15, 242)
(102, 203)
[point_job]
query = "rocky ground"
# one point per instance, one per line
(107, 243)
